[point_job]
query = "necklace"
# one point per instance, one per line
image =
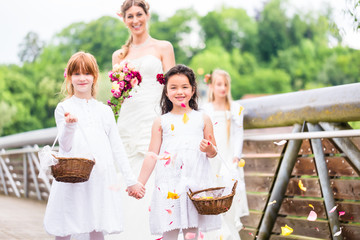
(141, 44)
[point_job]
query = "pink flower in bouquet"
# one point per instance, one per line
(121, 85)
(124, 78)
(128, 77)
(134, 82)
(117, 93)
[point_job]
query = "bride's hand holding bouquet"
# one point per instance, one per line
(124, 78)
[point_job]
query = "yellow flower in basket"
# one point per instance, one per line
(207, 198)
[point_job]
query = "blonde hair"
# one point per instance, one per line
(228, 99)
(124, 7)
(84, 63)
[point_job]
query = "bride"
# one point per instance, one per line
(150, 57)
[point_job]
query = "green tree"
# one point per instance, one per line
(298, 30)
(7, 113)
(100, 37)
(213, 57)
(273, 33)
(270, 81)
(233, 27)
(177, 30)
(19, 99)
(353, 12)
(341, 67)
(301, 62)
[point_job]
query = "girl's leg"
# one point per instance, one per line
(171, 235)
(63, 238)
(229, 227)
(96, 235)
(191, 233)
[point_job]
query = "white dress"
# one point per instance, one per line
(79, 208)
(228, 148)
(135, 121)
(139, 111)
(188, 167)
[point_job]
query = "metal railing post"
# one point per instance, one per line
(280, 185)
(3, 178)
(8, 174)
(345, 145)
(37, 164)
(324, 179)
(34, 177)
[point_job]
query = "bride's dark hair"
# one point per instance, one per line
(165, 103)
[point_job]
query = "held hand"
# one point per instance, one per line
(70, 118)
(208, 148)
(236, 160)
(137, 191)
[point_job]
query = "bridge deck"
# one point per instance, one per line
(22, 219)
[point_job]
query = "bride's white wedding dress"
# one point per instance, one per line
(135, 121)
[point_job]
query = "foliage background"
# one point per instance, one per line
(269, 53)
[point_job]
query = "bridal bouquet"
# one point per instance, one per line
(124, 78)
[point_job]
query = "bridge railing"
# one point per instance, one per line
(301, 137)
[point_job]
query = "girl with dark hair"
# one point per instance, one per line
(165, 103)
(181, 142)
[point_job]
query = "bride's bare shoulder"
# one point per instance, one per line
(163, 45)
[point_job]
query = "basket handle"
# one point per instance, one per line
(234, 187)
(57, 137)
(83, 133)
(219, 156)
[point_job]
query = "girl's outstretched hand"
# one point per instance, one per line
(70, 118)
(137, 191)
(208, 148)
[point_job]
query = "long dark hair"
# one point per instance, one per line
(165, 103)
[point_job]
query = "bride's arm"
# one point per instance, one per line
(167, 55)
(151, 157)
(116, 57)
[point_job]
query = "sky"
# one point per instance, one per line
(47, 17)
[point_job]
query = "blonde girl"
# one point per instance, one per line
(227, 117)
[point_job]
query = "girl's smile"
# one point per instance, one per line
(179, 91)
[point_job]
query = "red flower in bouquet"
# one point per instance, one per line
(160, 78)
(124, 78)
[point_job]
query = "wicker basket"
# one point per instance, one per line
(212, 206)
(72, 170)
